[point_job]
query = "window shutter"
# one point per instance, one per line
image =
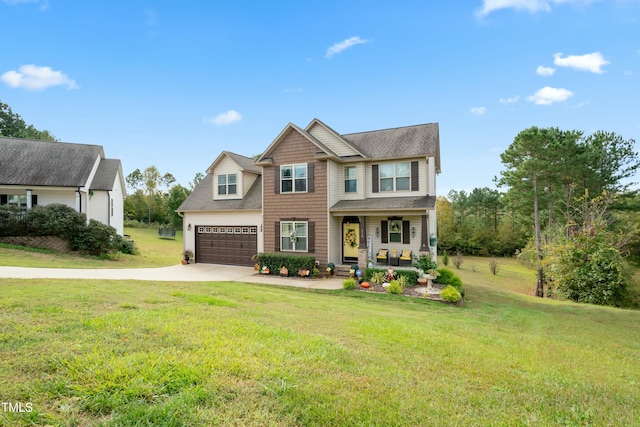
(384, 226)
(276, 243)
(276, 179)
(310, 177)
(311, 237)
(415, 183)
(4, 199)
(406, 239)
(375, 182)
(34, 200)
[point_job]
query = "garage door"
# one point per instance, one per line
(233, 245)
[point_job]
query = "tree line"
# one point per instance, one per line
(565, 197)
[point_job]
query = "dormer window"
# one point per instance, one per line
(227, 184)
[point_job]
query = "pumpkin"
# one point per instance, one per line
(365, 284)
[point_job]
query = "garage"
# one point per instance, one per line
(232, 245)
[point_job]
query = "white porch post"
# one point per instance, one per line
(29, 204)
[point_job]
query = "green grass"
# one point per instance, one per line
(153, 252)
(118, 353)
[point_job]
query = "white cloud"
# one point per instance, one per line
(343, 45)
(549, 95)
(512, 100)
(545, 71)
(32, 77)
(531, 6)
(592, 62)
(44, 4)
(227, 118)
(478, 111)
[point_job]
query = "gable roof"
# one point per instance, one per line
(106, 174)
(247, 164)
(409, 141)
(201, 199)
(46, 163)
(394, 143)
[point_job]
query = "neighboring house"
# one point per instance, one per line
(340, 198)
(78, 175)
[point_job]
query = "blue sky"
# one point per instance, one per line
(172, 84)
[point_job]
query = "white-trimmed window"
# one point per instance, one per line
(19, 200)
(227, 184)
(294, 236)
(293, 178)
(395, 231)
(395, 176)
(350, 179)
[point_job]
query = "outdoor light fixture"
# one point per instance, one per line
(189, 227)
(413, 232)
(377, 231)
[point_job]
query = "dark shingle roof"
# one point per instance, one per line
(106, 174)
(408, 141)
(386, 203)
(201, 199)
(45, 163)
(245, 163)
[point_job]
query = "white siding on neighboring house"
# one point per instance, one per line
(117, 205)
(98, 208)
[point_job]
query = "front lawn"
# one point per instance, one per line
(198, 354)
(153, 252)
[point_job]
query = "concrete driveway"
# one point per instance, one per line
(176, 273)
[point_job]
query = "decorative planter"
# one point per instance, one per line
(422, 280)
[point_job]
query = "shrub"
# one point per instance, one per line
(450, 294)
(402, 280)
(377, 277)
(424, 262)
(410, 275)
(349, 284)
(445, 258)
(95, 239)
(292, 262)
(493, 266)
(448, 277)
(395, 287)
(457, 261)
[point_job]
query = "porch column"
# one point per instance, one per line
(29, 204)
(424, 236)
(363, 256)
(78, 201)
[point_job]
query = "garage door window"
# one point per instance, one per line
(294, 236)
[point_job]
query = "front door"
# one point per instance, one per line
(350, 241)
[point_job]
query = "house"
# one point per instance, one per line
(78, 175)
(313, 191)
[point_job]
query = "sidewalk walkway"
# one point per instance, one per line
(176, 273)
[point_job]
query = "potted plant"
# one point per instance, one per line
(265, 269)
(330, 269)
(187, 256)
(284, 271)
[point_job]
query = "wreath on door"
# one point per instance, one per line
(351, 237)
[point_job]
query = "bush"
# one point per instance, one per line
(448, 277)
(411, 276)
(292, 262)
(349, 284)
(445, 258)
(450, 294)
(395, 287)
(424, 262)
(95, 239)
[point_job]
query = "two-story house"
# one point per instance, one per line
(340, 198)
(78, 175)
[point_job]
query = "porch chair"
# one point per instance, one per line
(382, 257)
(405, 257)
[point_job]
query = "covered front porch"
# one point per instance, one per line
(382, 231)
